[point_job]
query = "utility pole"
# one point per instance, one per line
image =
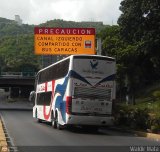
(99, 46)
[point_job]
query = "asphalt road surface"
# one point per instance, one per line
(28, 135)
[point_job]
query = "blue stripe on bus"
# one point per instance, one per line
(59, 103)
(74, 74)
(61, 88)
(108, 78)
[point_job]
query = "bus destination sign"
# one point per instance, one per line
(61, 41)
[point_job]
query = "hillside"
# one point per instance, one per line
(71, 24)
(11, 28)
(17, 42)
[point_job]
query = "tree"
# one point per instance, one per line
(113, 45)
(16, 51)
(111, 42)
(139, 26)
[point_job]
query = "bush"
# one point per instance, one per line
(154, 123)
(155, 128)
(156, 94)
(141, 118)
(132, 118)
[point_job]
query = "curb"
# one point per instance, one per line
(139, 133)
(148, 135)
(3, 141)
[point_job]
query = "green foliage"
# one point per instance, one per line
(11, 28)
(16, 51)
(155, 128)
(16, 46)
(154, 123)
(71, 24)
(142, 116)
(156, 94)
(17, 42)
(139, 26)
(111, 43)
(133, 118)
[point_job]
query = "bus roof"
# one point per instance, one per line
(78, 56)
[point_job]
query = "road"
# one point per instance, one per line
(25, 131)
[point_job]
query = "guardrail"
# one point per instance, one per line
(17, 74)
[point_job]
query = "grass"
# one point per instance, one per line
(149, 98)
(152, 106)
(144, 115)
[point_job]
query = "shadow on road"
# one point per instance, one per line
(93, 131)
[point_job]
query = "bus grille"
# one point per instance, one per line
(84, 92)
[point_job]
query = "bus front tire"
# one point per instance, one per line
(37, 119)
(59, 126)
(56, 123)
(53, 122)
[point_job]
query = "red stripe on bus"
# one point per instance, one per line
(46, 85)
(46, 116)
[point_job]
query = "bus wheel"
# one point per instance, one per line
(38, 120)
(58, 126)
(53, 123)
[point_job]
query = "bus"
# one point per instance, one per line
(78, 91)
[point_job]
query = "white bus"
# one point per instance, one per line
(78, 90)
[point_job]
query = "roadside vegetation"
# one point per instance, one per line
(143, 116)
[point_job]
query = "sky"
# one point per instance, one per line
(40, 11)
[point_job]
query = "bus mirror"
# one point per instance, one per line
(32, 96)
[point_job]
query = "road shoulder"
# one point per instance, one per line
(3, 141)
(139, 133)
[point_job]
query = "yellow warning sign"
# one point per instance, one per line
(50, 41)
